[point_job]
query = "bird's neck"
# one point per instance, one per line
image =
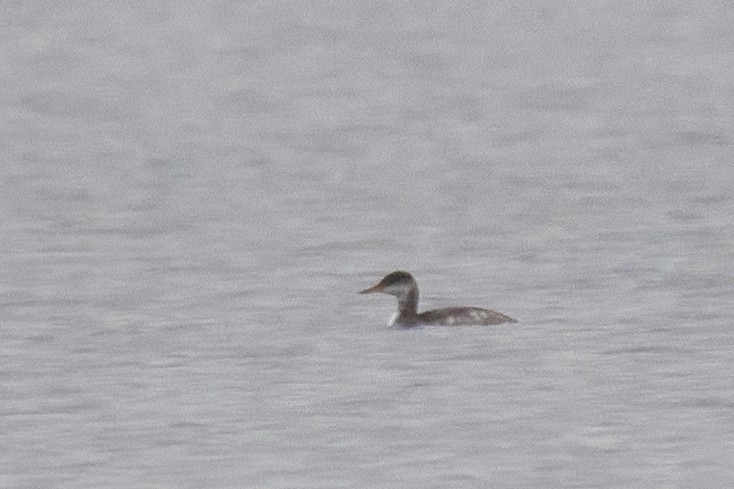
(408, 303)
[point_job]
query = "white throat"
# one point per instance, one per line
(393, 318)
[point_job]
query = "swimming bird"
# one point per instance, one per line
(403, 286)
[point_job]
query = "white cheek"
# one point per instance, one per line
(393, 318)
(391, 289)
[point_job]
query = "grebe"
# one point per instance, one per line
(403, 286)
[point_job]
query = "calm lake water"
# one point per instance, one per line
(191, 196)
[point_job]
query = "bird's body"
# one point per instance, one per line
(403, 286)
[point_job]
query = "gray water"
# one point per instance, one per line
(192, 194)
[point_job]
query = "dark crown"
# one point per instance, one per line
(396, 277)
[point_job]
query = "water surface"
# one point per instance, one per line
(192, 195)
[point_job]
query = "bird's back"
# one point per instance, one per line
(456, 316)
